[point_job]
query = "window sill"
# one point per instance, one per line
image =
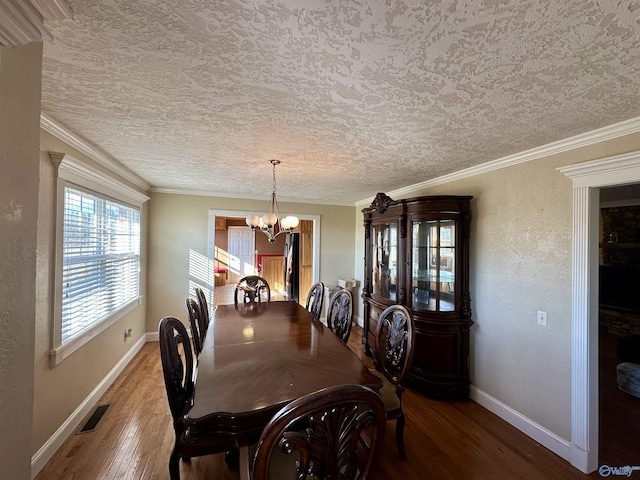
(58, 354)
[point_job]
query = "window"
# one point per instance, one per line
(97, 255)
(101, 259)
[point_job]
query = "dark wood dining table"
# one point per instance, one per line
(258, 357)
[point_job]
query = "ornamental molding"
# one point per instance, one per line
(51, 126)
(75, 171)
(22, 21)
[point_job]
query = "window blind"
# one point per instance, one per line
(101, 259)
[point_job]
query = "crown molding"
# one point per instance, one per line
(589, 138)
(585, 139)
(620, 169)
(22, 21)
(76, 171)
(205, 193)
(49, 125)
(52, 9)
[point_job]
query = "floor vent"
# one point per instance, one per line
(95, 417)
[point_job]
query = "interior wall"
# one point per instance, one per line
(179, 232)
(521, 254)
(60, 390)
(20, 73)
(521, 263)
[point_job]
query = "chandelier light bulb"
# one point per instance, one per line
(289, 222)
(253, 221)
(270, 219)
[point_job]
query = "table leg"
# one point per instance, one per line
(245, 463)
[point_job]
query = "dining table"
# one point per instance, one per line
(256, 358)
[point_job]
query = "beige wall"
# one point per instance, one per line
(178, 228)
(20, 72)
(521, 257)
(60, 390)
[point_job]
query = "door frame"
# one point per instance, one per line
(588, 178)
(213, 213)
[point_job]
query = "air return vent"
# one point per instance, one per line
(94, 419)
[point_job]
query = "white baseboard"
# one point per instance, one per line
(581, 459)
(44, 454)
(153, 337)
(550, 440)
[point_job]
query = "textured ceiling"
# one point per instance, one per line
(354, 97)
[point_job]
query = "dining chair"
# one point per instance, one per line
(334, 433)
(394, 343)
(315, 298)
(340, 313)
(203, 305)
(252, 288)
(177, 368)
(198, 329)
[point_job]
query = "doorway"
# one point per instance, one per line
(219, 258)
(619, 321)
(588, 178)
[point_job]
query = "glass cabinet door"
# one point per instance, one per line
(384, 273)
(433, 268)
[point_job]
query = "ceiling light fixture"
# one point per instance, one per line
(269, 220)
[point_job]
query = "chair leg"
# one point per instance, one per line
(232, 458)
(174, 466)
(400, 435)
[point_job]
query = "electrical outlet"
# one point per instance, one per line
(542, 318)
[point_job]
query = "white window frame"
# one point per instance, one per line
(74, 173)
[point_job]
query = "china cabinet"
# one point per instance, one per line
(417, 255)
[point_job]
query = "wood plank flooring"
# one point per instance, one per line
(619, 412)
(444, 439)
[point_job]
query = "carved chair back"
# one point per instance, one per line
(394, 344)
(340, 313)
(196, 322)
(334, 433)
(177, 365)
(252, 288)
(204, 307)
(315, 297)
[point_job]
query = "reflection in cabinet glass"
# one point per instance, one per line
(433, 273)
(385, 260)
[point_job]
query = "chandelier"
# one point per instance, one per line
(266, 224)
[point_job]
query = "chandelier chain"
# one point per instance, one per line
(274, 178)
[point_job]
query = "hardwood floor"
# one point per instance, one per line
(619, 411)
(444, 439)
